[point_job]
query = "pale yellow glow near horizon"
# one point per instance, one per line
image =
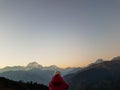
(61, 65)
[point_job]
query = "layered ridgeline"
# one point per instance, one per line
(104, 75)
(6, 84)
(100, 75)
(34, 72)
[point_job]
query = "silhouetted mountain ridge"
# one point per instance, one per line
(101, 76)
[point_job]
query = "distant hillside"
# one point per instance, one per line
(101, 76)
(35, 75)
(6, 84)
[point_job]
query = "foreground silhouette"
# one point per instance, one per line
(6, 84)
(57, 82)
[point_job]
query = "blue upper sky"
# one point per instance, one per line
(60, 32)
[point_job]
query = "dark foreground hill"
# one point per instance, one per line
(102, 76)
(6, 84)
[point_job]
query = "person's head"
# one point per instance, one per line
(57, 73)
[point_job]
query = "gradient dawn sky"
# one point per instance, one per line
(58, 32)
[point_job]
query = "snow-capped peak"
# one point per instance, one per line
(34, 65)
(99, 61)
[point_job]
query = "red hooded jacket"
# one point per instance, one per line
(57, 83)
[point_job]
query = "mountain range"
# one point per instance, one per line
(34, 72)
(101, 76)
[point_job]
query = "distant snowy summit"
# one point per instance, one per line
(97, 62)
(34, 65)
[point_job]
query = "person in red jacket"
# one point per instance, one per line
(57, 82)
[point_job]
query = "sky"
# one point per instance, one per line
(66, 33)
